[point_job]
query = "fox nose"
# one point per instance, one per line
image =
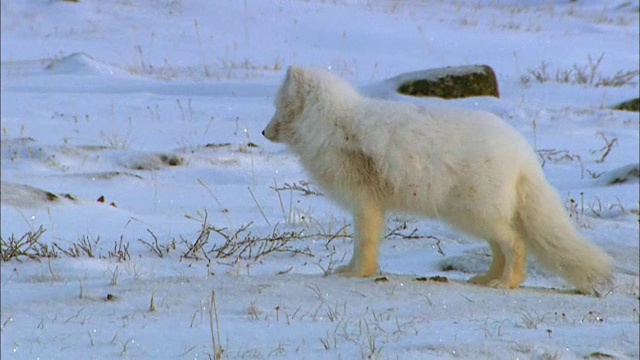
(263, 133)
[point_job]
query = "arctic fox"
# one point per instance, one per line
(466, 167)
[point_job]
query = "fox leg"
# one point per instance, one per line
(508, 268)
(495, 269)
(515, 263)
(369, 225)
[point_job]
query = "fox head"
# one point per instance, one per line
(310, 102)
(289, 105)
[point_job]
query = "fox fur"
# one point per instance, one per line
(466, 167)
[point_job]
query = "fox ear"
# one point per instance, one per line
(295, 73)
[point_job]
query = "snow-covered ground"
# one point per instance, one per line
(131, 137)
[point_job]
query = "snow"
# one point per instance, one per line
(155, 108)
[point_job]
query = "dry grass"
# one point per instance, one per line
(30, 245)
(302, 186)
(588, 74)
(214, 327)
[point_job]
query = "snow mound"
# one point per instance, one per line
(25, 196)
(144, 161)
(620, 175)
(83, 64)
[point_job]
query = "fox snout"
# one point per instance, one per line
(270, 132)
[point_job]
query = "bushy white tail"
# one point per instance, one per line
(551, 236)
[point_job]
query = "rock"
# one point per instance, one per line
(450, 82)
(629, 105)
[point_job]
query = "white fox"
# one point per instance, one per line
(468, 168)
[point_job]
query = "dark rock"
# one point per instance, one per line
(630, 105)
(450, 82)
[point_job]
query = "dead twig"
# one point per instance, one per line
(606, 149)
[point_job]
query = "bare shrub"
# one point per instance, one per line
(28, 245)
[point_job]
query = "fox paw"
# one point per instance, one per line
(493, 282)
(350, 270)
(344, 270)
(498, 284)
(482, 280)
